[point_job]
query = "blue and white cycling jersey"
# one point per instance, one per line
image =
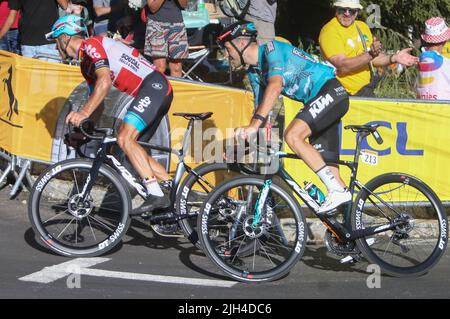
(303, 76)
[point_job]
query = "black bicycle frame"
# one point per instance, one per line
(342, 231)
(103, 157)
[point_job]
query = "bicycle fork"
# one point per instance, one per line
(264, 200)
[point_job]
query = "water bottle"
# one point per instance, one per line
(314, 192)
(200, 5)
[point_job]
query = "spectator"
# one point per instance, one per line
(9, 23)
(166, 37)
(36, 20)
(434, 68)
(263, 14)
(342, 42)
(108, 12)
(446, 50)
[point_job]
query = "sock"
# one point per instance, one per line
(329, 180)
(152, 186)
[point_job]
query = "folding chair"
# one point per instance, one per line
(197, 55)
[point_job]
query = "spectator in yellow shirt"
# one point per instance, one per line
(446, 50)
(341, 45)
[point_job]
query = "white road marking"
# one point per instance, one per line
(53, 273)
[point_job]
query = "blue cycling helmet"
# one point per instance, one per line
(69, 24)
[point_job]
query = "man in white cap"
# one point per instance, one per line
(434, 67)
(342, 43)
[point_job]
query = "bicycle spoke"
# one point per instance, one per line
(51, 218)
(101, 223)
(66, 227)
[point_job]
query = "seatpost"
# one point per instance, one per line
(356, 160)
(187, 139)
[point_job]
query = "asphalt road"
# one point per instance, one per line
(148, 266)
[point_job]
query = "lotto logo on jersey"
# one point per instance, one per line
(143, 104)
(92, 51)
(319, 104)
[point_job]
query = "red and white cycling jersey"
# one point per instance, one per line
(128, 67)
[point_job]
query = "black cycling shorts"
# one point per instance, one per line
(323, 115)
(151, 103)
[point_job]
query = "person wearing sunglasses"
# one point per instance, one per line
(349, 46)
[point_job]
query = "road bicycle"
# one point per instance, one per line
(253, 228)
(82, 206)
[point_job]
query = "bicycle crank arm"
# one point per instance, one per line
(356, 257)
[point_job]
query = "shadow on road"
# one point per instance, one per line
(141, 234)
(317, 257)
(30, 239)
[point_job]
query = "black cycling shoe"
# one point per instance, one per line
(150, 204)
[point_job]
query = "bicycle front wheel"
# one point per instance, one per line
(71, 224)
(419, 240)
(246, 245)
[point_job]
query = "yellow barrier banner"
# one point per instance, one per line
(35, 92)
(31, 98)
(416, 141)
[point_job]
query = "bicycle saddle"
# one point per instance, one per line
(195, 116)
(362, 128)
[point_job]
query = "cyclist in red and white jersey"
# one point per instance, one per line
(104, 63)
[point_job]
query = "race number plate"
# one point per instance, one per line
(369, 157)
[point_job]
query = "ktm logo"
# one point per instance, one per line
(92, 51)
(319, 104)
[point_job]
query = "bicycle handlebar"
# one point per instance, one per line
(87, 127)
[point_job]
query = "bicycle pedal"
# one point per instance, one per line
(349, 260)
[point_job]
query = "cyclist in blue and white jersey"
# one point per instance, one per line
(279, 68)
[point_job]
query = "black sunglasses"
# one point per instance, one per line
(350, 10)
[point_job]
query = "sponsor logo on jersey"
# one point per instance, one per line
(340, 91)
(270, 47)
(157, 86)
(130, 61)
(92, 51)
(143, 104)
(299, 53)
(101, 63)
(320, 104)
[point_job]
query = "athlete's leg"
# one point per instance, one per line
(127, 141)
(295, 136)
(316, 120)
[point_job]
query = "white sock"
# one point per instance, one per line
(327, 177)
(152, 187)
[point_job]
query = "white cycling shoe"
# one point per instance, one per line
(333, 200)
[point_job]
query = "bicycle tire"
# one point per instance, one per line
(188, 202)
(55, 194)
(424, 213)
(286, 236)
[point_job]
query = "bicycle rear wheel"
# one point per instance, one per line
(244, 249)
(193, 191)
(70, 226)
(418, 243)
